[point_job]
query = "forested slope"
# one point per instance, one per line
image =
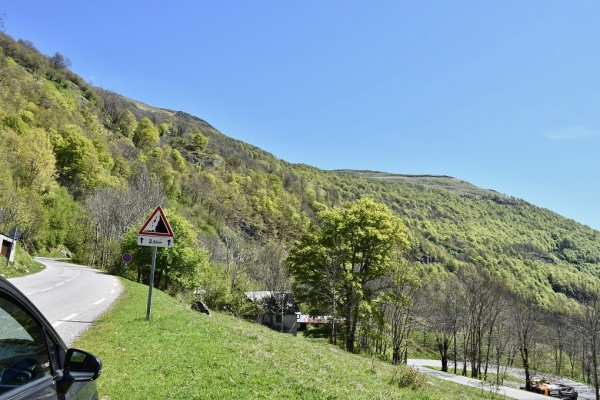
(82, 165)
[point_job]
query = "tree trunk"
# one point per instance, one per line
(454, 346)
(595, 364)
(348, 329)
(352, 334)
(396, 359)
(443, 350)
(487, 351)
(333, 331)
(525, 358)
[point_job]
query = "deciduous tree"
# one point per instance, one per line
(348, 248)
(146, 134)
(78, 162)
(128, 124)
(37, 163)
(398, 301)
(274, 274)
(59, 61)
(525, 316)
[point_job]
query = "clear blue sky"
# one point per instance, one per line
(502, 94)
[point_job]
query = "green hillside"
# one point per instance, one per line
(82, 168)
(218, 181)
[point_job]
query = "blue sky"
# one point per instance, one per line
(502, 94)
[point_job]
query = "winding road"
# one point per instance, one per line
(422, 365)
(70, 296)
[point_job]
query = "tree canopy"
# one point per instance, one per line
(340, 256)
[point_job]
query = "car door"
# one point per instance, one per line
(26, 367)
(34, 361)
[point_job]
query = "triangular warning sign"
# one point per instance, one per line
(157, 225)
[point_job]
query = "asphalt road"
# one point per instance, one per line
(422, 365)
(70, 296)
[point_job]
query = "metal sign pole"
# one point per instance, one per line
(151, 283)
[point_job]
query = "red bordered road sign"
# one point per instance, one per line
(156, 231)
(157, 225)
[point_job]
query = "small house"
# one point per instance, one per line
(277, 310)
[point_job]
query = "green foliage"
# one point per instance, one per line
(16, 123)
(199, 141)
(335, 261)
(146, 134)
(216, 181)
(59, 226)
(215, 288)
(128, 124)
(180, 163)
(36, 165)
(406, 377)
(78, 161)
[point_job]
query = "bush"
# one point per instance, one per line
(406, 377)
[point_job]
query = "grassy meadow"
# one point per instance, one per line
(182, 354)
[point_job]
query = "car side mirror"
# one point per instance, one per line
(81, 366)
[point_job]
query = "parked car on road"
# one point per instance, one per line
(35, 363)
(553, 390)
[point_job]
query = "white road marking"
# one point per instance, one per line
(67, 318)
(100, 301)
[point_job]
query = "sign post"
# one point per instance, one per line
(156, 232)
(126, 259)
(151, 284)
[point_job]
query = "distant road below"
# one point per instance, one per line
(70, 296)
(422, 366)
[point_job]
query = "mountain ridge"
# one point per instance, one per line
(446, 182)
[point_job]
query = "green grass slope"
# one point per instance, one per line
(182, 354)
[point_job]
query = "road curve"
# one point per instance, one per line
(70, 296)
(422, 365)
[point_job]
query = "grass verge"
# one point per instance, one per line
(182, 354)
(23, 264)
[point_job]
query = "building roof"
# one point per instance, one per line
(274, 301)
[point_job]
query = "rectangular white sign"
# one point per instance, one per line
(156, 241)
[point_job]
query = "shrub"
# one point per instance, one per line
(406, 377)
